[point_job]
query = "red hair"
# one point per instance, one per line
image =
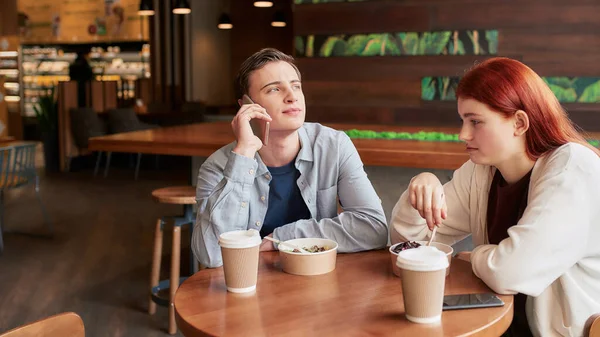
(507, 86)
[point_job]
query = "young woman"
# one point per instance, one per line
(529, 195)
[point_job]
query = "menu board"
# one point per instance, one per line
(80, 21)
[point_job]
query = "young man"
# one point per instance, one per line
(289, 188)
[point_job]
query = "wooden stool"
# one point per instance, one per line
(178, 195)
(592, 326)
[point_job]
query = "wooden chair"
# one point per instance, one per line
(592, 326)
(67, 324)
(17, 169)
(85, 124)
(178, 195)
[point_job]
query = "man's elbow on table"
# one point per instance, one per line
(375, 235)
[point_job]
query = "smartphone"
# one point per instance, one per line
(259, 127)
(469, 301)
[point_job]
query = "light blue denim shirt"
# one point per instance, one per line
(232, 194)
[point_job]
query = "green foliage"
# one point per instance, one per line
(46, 111)
(310, 42)
(566, 89)
(388, 44)
(391, 45)
(563, 88)
(419, 136)
(433, 43)
(333, 46)
(427, 88)
(563, 94)
(373, 47)
(409, 42)
(591, 94)
(492, 37)
(460, 48)
(356, 44)
(299, 44)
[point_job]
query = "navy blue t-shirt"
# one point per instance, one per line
(285, 201)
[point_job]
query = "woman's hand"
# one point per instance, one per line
(427, 196)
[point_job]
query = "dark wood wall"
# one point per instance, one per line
(252, 30)
(555, 38)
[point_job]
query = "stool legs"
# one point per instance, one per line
(174, 284)
(156, 259)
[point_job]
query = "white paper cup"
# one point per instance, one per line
(448, 250)
(240, 259)
(423, 280)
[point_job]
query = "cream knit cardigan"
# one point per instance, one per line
(552, 254)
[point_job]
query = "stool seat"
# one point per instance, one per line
(179, 195)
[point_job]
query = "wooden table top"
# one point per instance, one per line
(205, 138)
(6, 140)
(360, 297)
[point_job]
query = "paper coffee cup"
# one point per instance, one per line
(423, 281)
(239, 250)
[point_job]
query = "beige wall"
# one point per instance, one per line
(210, 59)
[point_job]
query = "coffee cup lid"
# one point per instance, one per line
(424, 258)
(240, 239)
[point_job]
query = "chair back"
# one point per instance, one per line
(592, 326)
(67, 324)
(123, 120)
(193, 112)
(17, 165)
(85, 123)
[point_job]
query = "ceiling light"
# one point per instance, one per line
(225, 22)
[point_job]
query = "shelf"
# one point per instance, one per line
(9, 54)
(45, 66)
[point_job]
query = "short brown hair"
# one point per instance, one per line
(257, 61)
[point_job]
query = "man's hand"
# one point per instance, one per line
(247, 143)
(267, 245)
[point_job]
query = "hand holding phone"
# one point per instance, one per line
(260, 127)
(248, 141)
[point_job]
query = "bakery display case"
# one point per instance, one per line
(9, 70)
(45, 66)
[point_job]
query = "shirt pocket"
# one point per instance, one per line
(327, 203)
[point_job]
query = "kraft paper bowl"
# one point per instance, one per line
(308, 263)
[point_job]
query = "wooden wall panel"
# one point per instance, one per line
(384, 68)
(555, 38)
(521, 41)
(523, 15)
(252, 30)
(356, 114)
(373, 93)
(359, 17)
(554, 64)
(423, 114)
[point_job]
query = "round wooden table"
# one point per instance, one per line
(360, 297)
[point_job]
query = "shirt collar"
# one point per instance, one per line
(305, 154)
